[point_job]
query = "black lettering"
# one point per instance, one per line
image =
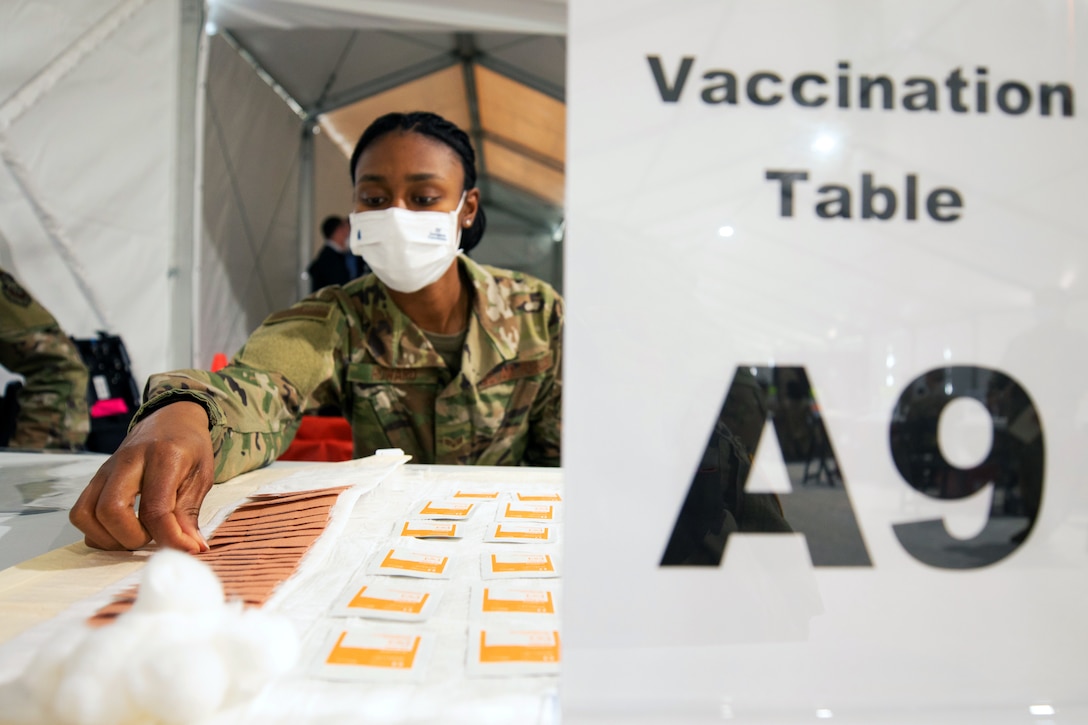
(919, 93)
(1023, 94)
(753, 89)
(1047, 90)
(921, 100)
(670, 93)
(717, 503)
(956, 84)
(1013, 467)
(943, 198)
(885, 84)
(844, 84)
(724, 92)
(869, 192)
(912, 197)
(786, 178)
(837, 206)
(944, 204)
(797, 90)
(980, 90)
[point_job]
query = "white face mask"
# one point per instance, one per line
(408, 250)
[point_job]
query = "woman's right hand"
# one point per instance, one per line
(166, 461)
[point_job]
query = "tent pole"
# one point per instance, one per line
(305, 205)
(179, 353)
(466, 51)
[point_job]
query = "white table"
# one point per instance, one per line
(37, 489)
(68, 582)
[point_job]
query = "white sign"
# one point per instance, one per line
(871, 220)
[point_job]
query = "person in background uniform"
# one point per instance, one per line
(335, 263)
(53, 401)
(451, 361)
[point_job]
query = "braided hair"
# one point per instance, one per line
(433, 125)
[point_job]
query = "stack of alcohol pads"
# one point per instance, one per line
(435, 555)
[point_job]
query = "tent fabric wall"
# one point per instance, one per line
(88, 130)
(513, 243)
(332, 185)
(248, 252)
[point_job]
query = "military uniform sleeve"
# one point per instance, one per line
(254, 403)
(546, 417)
(53, 401)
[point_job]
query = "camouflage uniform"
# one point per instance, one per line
(352, 347)
(53, 400)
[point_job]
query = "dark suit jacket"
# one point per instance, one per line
(330, 267)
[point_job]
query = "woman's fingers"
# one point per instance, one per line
(105, 511)
(167, 462)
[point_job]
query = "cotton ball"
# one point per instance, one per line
(160, 653)
(42, 676)
(20, 705)
(181, 684)
(175, 581)
(171, 630)
(257, 647)
(88, 691)
(84, 698)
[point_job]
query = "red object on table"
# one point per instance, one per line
(320, 438)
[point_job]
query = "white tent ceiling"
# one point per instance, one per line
(346, 61)
(506, 89)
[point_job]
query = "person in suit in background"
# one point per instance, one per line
(335, 264)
